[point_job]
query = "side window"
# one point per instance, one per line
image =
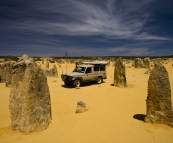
(88, 70)
(102, 67)
(99, 67)
(96, 67)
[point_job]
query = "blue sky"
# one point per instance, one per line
(86, 27)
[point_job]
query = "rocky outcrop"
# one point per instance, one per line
(29, 104)
(81, 107)
(53, 71)
(8, 72)
(0, 79)
(148, 71)
(47, 66)
(159, 104)
(146, 62)
(133, 64)
(2, 73)
(119, 73)
(138, 63)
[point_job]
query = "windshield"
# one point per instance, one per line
(80, 69)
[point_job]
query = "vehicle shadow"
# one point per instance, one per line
(83, 85)
(139, 117)
(69, 86)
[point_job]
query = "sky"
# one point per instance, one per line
(86, 27)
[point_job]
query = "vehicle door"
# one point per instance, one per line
(89, 74)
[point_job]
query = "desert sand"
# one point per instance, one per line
(115, 114)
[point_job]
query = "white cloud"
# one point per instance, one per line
(130, 50)
(85, 19)
(139, 51)
(120, 49)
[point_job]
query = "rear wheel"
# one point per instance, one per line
(99, 80)
(77, 83)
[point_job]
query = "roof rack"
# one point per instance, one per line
(96, 62)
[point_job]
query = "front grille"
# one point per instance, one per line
(66, 78)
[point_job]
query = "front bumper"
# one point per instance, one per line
(68, 79)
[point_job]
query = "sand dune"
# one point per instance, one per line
(115, 114)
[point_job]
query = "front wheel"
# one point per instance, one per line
(99, 80)
(77, 83)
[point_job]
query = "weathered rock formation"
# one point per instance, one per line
(2, 73)
(146, 62)
(119, 73)
(0, 79)
(81, 107)
(159, 104)
(53, 71)
(29, 103)
(8, 72)
(138, 63)
(47, 66)
(148, 71)
(157, 60)
(133, 63)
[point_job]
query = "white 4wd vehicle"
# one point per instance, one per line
(89, 71)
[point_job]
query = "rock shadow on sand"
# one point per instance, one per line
(128, 86)
(139, 117)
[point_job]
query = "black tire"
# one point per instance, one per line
(77, 83)
(99, 80)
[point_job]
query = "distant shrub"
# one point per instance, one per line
(76, 63)
(10, 58)
(37, 59)
(52, 61)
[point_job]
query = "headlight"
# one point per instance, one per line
(63, 77)
(72, 78)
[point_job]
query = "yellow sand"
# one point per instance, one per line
(109, 119)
